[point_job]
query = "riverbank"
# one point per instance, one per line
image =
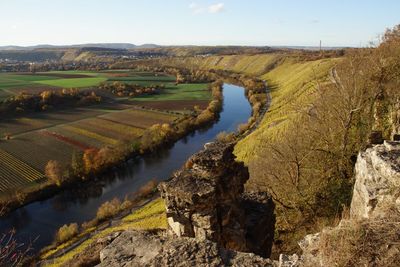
(154, 138)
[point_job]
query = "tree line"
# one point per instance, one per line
(122, 89)
(48, 99)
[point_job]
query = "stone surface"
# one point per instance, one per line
(138, 248)
(131, 249)
(204, 201)
(377, 175)
(289, 260)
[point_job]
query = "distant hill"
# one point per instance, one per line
(96, 45)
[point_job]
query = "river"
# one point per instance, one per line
(40, 220)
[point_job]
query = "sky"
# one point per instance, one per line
(186, 22)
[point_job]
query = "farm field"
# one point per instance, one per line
(14, 83)
(28, 143)
(174, 92)
(172, 105)
(176, 97)
(37, 140)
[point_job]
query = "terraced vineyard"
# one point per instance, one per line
(16, 173)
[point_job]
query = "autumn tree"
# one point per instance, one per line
(77, 163)
(88, 158)
(53, 171)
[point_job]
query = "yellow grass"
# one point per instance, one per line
(155, 207)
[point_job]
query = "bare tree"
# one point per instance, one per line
(12, 252)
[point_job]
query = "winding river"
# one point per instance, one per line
(40, 220)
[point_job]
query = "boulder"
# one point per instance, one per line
(141, 248)
(377, 181)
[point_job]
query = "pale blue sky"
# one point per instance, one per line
(179, 22)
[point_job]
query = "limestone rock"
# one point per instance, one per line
(289, 260)
(138, 248)
(131, 249)
(377, 175)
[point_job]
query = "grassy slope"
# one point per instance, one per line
(292, 84)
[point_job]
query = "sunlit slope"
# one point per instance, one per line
(292, 84)
(248, 64)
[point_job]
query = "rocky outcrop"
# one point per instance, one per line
(370, 236)
(205, 201)
(377, 181)
(141, 248)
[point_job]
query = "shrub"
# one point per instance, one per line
(147, 189)
(108, 209)
(242, 127)
(225, 137)
(54, 172)
(67, 232)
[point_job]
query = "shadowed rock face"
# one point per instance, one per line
(259, 222)
(204, 200)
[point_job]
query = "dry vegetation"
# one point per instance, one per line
(361, 243)
(308, 167)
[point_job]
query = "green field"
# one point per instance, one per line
(179, 92)
(73, 82)
(14, 83)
